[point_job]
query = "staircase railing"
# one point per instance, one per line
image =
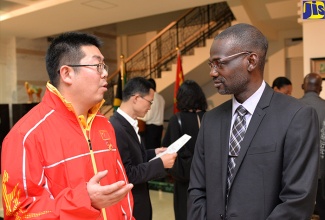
(189, 31)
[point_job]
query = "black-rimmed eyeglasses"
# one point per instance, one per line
(151, 102)
(100, 66)
(218, 63)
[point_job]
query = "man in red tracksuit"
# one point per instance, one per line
(60, 161)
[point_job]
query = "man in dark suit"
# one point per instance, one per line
(274, 173)
(136, 101)
(312, 86)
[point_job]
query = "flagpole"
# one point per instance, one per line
(122, 70)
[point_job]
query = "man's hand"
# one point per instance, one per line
(104, 196)
(160, 150)
(168, 160)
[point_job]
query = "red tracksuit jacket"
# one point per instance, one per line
(46, 163)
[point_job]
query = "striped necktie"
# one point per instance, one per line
(236, 137)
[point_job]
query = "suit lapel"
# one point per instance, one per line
(225, 128)
(130, 130)
(253, 126)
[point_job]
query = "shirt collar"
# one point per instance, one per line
(133, 122)
(91, 113)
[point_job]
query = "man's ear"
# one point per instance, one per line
(135, 98)
(66, 74)
(250, 67)
(252, 62)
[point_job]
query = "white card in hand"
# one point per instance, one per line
(174, 147)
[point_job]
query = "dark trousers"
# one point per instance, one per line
(320, 202)
(180, 200)
(152, 136)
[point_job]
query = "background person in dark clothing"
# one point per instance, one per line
(312, 87)
(191, 102)
(137, 99)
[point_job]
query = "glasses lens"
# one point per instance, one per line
(106, 67)
(101, 67)
(214, 64)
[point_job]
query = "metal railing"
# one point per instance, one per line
(186, 33)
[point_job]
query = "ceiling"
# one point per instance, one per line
(41, 18)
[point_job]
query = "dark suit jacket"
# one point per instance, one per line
(314, 100)
(135, 159)
(276, 170)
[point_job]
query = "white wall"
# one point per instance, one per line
(276, 59)
(8, 70)
(294, 66)
(136, 41)
(314, 43)
(285, 59)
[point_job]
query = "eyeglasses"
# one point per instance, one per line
(218, 63)
(100, 67)
(151, 102)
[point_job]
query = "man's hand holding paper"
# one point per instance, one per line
(174, 147)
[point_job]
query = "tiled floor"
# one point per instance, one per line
(162, 205)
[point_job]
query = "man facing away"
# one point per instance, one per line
(60, 161)
(137, 99)
(256, 156)
(312, 87)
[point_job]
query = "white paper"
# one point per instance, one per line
(174, 147)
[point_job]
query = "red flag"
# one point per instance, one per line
(179, 78)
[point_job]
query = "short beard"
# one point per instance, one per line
(237, 87)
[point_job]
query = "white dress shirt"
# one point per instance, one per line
(133, 122)
(250, 105)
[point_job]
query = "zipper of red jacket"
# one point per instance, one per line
(93, 161)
